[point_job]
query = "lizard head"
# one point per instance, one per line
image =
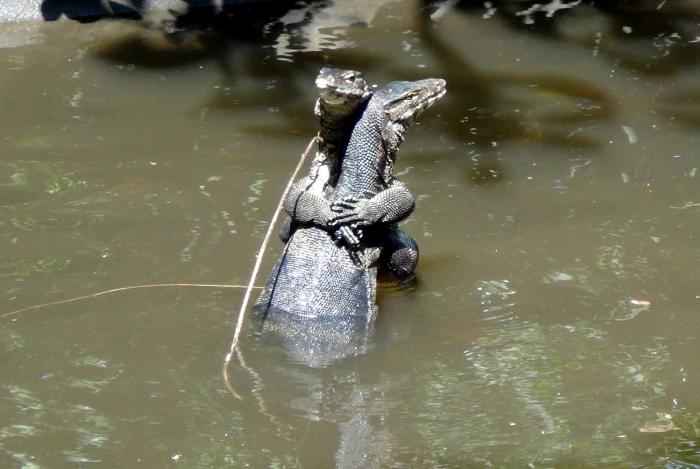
(402, 102)
(338, 86)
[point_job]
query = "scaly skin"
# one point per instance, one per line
(364, 195)
(320, 296)
(342, 94)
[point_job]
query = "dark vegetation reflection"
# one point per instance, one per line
(88, 11)
(233, 35)
(662, 29)
(239, 40)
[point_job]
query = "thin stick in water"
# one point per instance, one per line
(116, 290)
(256, 267)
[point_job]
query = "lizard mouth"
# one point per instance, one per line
(335, 94)
(333, 98)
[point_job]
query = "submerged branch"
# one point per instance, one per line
(254, 274)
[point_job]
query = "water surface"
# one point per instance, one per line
(554, 322)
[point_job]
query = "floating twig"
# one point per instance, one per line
(120, 289)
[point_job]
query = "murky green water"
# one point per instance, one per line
(558, 216)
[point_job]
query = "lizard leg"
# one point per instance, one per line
(286, 230)
(400, 254)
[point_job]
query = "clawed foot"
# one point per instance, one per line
(350, 216)
(353, 212)
(348, 235)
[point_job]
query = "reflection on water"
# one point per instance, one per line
(553, 322)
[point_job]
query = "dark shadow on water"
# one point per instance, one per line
(683, 106)
(487, 109)
(88, 11)
(481, 108)
(153, 49)
(238, 40)
(201, 32)
(648, 36)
